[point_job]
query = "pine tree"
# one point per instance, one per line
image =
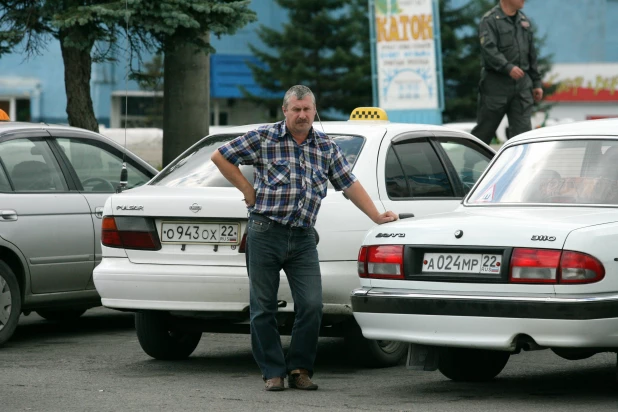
(28, 25)
(181, 30)
(325, 46)
(88, 30)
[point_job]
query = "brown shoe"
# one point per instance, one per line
(274, 384)
(299, 379)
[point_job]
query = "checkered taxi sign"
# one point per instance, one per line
(368, 113)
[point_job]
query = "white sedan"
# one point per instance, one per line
(173, 251)
(527, 262)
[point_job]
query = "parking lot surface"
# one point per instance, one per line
(96, 364)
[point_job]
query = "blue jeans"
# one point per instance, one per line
(272, 247)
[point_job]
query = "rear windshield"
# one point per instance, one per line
(577, 171)
(195, 169)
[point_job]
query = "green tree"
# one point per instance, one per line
(88, 30)
(181, 29)
(325, 46)
(461, 61)
(28, 25)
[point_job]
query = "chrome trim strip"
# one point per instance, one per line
(401, 293)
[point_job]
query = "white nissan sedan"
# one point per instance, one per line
(528, 261)
(173, 251)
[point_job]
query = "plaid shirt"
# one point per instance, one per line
(290, 179)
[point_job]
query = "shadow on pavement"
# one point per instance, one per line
(33, 327)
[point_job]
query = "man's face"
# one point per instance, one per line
(299, 115)
(516, 4)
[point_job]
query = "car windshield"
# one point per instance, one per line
(195, 169)
(574, 171)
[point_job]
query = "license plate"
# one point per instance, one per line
(461, 263)
(213, 233)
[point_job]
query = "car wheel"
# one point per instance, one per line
(372, 353)
(10, 302)
(160, 341)
(471, 365)
(58, 315)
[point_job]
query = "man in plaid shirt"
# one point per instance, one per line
(293, 163)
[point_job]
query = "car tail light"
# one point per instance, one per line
(243, 243)
(554, 266)
(534, 266)
(576, 267)
(129, 233)
(381, 262)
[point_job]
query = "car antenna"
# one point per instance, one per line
(122, 184)
(320, 120)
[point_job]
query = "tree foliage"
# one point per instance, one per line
(80, 26)
(323, 45)
(88, 30)
(181, 30)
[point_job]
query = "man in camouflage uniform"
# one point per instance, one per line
(510, 78)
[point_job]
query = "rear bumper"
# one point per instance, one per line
(125, 285)
(491, 322)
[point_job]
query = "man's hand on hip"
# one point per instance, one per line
(249, 196)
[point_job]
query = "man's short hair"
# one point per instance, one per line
(300, 92)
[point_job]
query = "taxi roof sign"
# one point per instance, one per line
(368, 113)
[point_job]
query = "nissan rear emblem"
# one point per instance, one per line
(195, 208)
(458, 233)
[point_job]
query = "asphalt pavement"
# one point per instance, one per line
(96, 364)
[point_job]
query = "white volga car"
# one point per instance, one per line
(528, 261)
(173, 250)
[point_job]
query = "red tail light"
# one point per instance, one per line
(554, 266)
(576, 267)
(243, 243)
(534, 266)
(129, 233)
(381, 262)
(109, 233)
(362, 262)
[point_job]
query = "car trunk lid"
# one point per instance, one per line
(196, 226)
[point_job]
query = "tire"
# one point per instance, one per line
(573, 354)
(60, 315)
(372, 353)
(471, 365)
(10, 302)
(160, 341)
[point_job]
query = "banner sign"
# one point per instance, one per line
(406, 54)
(593, 82)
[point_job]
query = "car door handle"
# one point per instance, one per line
(405, 215)
(8, 215)
(98, 211)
